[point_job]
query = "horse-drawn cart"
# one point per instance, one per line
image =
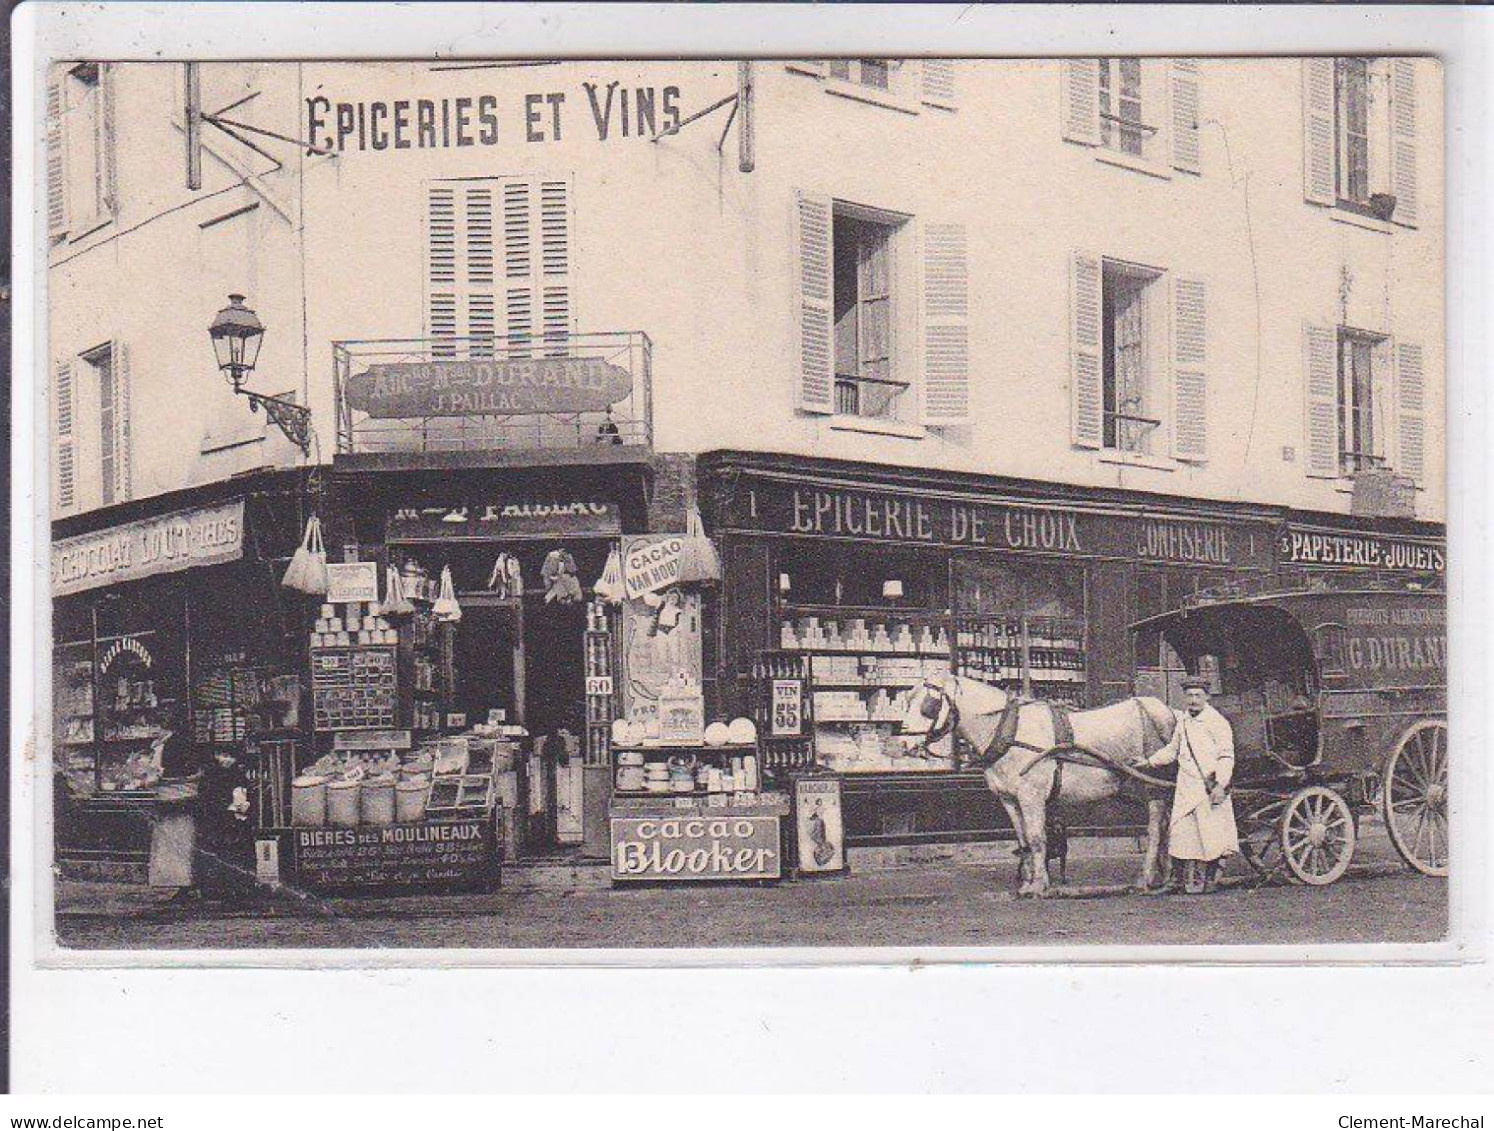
(1338, 700)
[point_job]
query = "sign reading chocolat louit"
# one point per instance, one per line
(166, 544)
(915, 519)
(493, 387)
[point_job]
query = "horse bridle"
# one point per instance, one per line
(938, 731)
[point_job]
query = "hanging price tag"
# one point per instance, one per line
(599, 685)
(788, 707)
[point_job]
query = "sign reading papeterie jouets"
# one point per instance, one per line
(502, 386)
(696, 846)
(458, 853)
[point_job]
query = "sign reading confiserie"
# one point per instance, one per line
(172, 542)
(495, 387)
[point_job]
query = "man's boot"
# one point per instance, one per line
(1194, 884)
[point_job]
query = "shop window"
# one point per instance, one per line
(1129, 355)
(866, 380)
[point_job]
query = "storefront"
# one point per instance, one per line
(863, 580)
(172, 640)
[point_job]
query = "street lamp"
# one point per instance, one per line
(237, 334)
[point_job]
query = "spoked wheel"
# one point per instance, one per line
(1260, 837)
(1317, 835)
(1415, 797)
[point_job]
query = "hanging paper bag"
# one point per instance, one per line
(609, 586)
(699, 562)
(317, 581)
(307, 571)
(446, 607)
(395, 602)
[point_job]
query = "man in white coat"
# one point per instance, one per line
(1202, 830)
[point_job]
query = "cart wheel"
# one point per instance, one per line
(1260, 838)
(1415, 797)
(1317, 835)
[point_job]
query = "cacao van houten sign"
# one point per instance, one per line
(489, 387)
(910, 518)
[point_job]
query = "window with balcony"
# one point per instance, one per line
(1357, 441)
(1122, 126)
(1128, 356)
(1360, 138)
(866, 382)
(1140, 114)
(1365, 398)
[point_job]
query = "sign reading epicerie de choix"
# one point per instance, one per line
(142, 549)
(603, 110)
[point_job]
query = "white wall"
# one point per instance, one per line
(671, 239)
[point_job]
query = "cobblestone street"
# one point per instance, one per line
(953, 902)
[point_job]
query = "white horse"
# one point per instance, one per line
(1014, 740)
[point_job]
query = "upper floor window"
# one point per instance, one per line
(908, 85)
(1140, 113)
(1365, 397)
(80, 150)
(1360, 136)
(92, 443)
(1138, 348)
(882, 322)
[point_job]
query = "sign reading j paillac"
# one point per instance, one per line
(1023, 527)
(142, 549)
(495, 387)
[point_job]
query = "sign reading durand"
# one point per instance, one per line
(1360, 551)
(696, 848)
(143, 549)
(1398, 640)
(499, 387)
(1021, 527)
(433, 854)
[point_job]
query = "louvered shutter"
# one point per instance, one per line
(555, 265)
(518, 266)
(1086, 367)
(441, 269)
(813, 243)
(1403, 140)
(124, 446)
(478, 268)
(64, 437)
(1185, 116)
(1320, 373)
(107, 165)
(1318, 134)
(1410, 380)
(1080, 93)
(1190, 339)
(938, 83)
(946, 328)
(56, 158)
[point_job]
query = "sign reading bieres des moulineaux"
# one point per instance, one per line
(499, 387)
(172, 542)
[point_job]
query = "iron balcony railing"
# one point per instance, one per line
(452, 394)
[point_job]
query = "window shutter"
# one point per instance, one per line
(124, 450)
(1320, 370)
(1403, 139)
(518, 266)
(107, 168)
(555, 263)
(1086, 368)
(939, 83)
(1080, 94)
(56, 159)
(1190, 334)
(1185, 116)
(1410, 410)
(946, 328)
(814, 241)
(1318, 133)
(441, 269)
(64, 437)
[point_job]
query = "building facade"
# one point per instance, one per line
(1035, 347)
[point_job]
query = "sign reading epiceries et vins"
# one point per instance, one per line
(498, 387)
(152, 546)
(937, 520)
